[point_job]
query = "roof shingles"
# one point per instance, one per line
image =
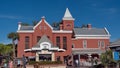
(89, 31)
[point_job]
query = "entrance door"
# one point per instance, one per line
(45, 57)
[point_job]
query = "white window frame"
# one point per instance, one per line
(84, 43)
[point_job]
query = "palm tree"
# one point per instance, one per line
(13, 36)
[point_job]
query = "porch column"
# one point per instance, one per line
(37, 56)
(78, 59)
(73, 60)
(99, 58)
(53, 56)
(90, 58)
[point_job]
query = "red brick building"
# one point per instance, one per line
(43, 42)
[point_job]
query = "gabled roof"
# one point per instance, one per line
(90, 31)
(43, 19)
(67, 15)
(44, 38)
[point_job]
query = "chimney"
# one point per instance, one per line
(19, 25)
(61, 26)
(89, 26)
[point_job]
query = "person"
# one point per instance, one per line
(24, 61)
(10, 64)
(76, 63)
(19, 63)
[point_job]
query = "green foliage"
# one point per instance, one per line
(107, 58)
(5, 50)
(24, 24)
(34, 22)
(56, 24)
(44, 62)
(13, 36)
(84, 26)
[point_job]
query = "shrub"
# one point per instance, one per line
(44, 62)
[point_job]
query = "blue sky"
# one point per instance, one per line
(99, 13)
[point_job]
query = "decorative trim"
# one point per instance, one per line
(92, 38)
(92, 35)
(28, 31)
(45, 22)
(28, 50)
(61, 31)
(107, 31)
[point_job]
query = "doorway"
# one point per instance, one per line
(45, 57)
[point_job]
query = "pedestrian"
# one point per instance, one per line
(10, 64)
(76, 61)
(24, 61)
(19, 63)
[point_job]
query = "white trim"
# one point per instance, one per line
(61, 31)
(28, 50)
(24, 31)
(92, 37)
(84, 43)
(107, 31)
(36, 48)
(61, 50)
(19, 25)
(86, 48)
(45, 44)
(37, 24)
(45, 22)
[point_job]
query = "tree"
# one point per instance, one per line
(13, 36)
(5, 52)
(107, 58)
(84, 26)
(25, 24)
(34, 22)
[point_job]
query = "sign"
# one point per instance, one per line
(116, 55)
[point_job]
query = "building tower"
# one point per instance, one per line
(67, 21)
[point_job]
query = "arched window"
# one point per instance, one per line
(27, 41)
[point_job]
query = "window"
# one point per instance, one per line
(27, 40)
(38, 38)
(101, 44)
(58, 41)
(84, 43)
(65, 43)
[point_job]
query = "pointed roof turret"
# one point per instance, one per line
(67, 15)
